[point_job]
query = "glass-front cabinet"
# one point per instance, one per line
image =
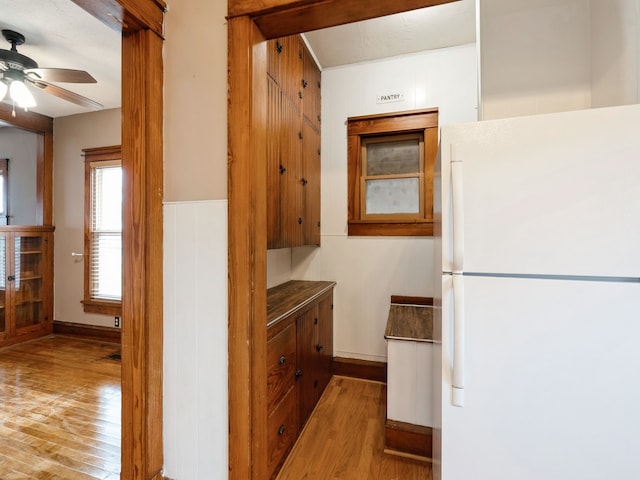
(26, 274)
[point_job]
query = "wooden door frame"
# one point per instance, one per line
(250, 24)
(140, 22)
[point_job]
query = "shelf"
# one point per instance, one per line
(35, 277)
(28, 302)
(31, 252)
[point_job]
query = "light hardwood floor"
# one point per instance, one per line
(60, 410)
(344, 438)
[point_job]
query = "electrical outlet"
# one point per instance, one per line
(116, 322)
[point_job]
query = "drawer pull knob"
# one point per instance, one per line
(298, 373)
(319, 347)
(281, 360)
(281, 430)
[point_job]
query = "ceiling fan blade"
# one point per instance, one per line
(65, 94)
(3, 66)
(64, 75)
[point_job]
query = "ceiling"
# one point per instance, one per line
(60, 34)
(430, 28)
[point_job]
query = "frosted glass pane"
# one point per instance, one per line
(389, 158)
(398, 195)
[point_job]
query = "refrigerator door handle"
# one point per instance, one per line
(458, 341)
(458, 216)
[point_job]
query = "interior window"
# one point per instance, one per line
(391, 158)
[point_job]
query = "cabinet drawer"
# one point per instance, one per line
(281, 365)
(282, 431)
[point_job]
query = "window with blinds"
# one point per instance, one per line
(103, 231)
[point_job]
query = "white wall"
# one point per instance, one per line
(70, 135)
(535, 56)
(368, 270)
(195, 292)
(195, 340)
(21, 148)
(545, 56)
(615, 50)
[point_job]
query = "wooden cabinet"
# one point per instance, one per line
(293, 145)
(26, 290)
(299, 355)
(282, 419)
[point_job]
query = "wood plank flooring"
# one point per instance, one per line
(60, 410)
(344, 438)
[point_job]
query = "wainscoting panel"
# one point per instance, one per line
(195, 340)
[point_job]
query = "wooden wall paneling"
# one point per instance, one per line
(247, 120)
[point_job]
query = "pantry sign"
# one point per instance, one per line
(390, 98)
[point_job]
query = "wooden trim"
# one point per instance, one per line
(102, 153)
(395, 229)
(89, 332)
(128, 15)
(142, 344)
(247, 174)
(30, 121)
(140, 22)
(43, 127)
(364, 369)
(408, 438)
(408, 300)
(102, 307)
(326, 13)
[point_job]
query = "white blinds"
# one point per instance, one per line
(106, 231)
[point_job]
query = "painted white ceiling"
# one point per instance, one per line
(60, 34)
(419, 30)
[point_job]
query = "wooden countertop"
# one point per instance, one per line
(410, 322)
(286, 299)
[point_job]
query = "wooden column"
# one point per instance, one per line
(142, 256)
(247, 251)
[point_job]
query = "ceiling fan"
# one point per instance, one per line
(17, 71)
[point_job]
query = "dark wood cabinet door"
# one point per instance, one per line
(311, 98)
(281, 365)
(311, 183)
(325, 341)
(307, 379)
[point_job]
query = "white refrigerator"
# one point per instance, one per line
(537, 358)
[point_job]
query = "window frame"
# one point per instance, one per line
(4, 197)
(390, 127)
(93, 157)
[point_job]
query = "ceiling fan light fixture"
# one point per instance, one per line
(3, 90)
(21, 95)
